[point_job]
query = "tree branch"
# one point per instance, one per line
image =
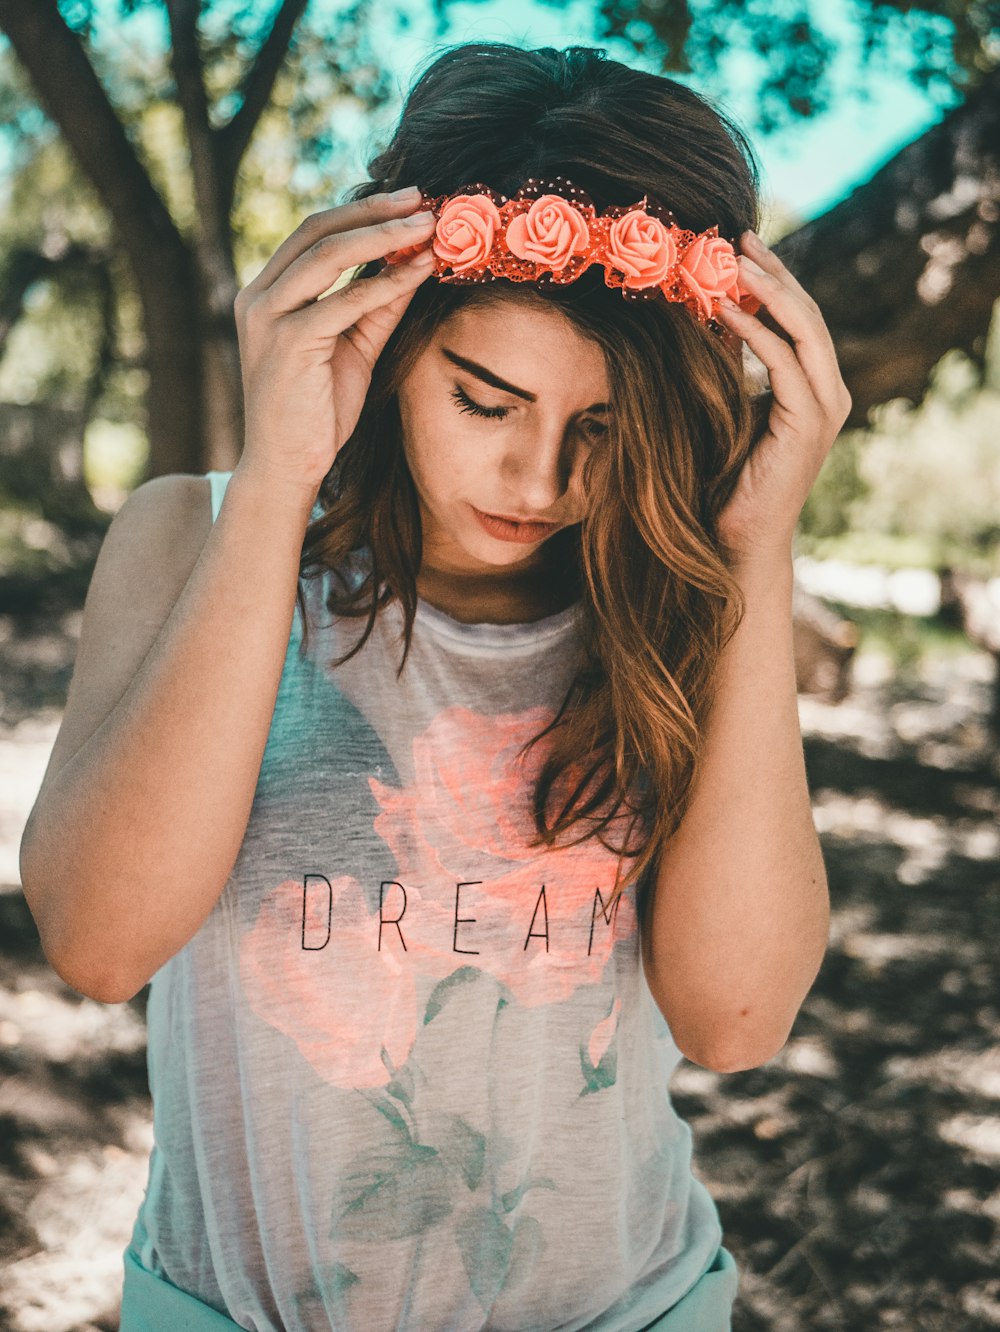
(255, 90)
(72, 94)
(908, 265)
(185, 61)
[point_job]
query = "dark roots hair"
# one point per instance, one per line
(658, 596)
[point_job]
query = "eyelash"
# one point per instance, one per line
(466, 404)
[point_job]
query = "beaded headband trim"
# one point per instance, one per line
(550, 232)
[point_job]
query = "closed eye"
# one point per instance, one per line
(466, 404)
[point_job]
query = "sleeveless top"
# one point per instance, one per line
(408, 1075)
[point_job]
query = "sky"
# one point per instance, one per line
(806, 169)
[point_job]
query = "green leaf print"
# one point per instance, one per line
(395, 1190)
(496, 1257)
(462, 1147)
(330, 1284)
(512, 1198)
(597, 1079)
(604, 1075)
(401, 1087)
(485, 1243)
(442, 991)
(391, 1113)
(604, 1038)
(527, 1252)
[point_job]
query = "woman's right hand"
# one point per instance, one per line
(307, 363)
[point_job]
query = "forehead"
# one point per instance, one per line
(534, 346)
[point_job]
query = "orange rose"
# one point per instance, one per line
(709, 270)
(549, 233)
(642, 248)
(465, 229)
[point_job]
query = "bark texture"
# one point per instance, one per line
(908, 265)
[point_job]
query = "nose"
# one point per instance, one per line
(539, 468)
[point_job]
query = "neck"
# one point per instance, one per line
(527, 595)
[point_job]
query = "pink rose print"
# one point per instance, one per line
(709, 270)
(642, 248)
(289, 986)
(471, 796)
(465, 230)
(464, 790)
(549, 233)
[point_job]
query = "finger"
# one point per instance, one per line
(323, 264)
(347, 306)
(789, 384)
(345, 217)
(754, 248)
(373, 330)
(806, 327)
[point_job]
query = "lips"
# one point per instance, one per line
(510, 518)
(506, 530)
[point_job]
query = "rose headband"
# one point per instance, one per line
(549, 232)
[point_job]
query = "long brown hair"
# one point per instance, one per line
(659, 601)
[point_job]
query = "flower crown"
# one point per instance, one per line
(550, 232)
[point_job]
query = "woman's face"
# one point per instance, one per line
(525, 460)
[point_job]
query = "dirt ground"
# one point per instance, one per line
(856, 1173)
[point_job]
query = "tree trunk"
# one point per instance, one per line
(195, 397)
(908, 265)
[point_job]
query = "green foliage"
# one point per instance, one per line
(942, 48)
(920, 486)
(827, 510)
(114, 460)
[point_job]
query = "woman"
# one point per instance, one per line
(450, 785)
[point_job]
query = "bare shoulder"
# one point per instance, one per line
(155, 538)
(146, 558)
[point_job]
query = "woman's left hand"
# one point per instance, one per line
(810, 405)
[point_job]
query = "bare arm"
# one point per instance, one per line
(146, 799)
(148, 793)
(742, 910)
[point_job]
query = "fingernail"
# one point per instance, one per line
(410, 192)
(754, 241)
(418, 219)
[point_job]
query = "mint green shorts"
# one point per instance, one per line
(708, 1305)
(151, 1304)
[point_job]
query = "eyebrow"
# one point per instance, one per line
(488, 377)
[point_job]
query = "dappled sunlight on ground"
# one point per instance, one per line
(856, 1173)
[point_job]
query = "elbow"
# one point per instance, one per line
(93, 982)
(91, 988)
(728, 1061)
(727, 1053)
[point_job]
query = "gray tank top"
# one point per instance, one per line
(408, 1076)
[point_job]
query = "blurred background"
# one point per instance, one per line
(153, 154)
